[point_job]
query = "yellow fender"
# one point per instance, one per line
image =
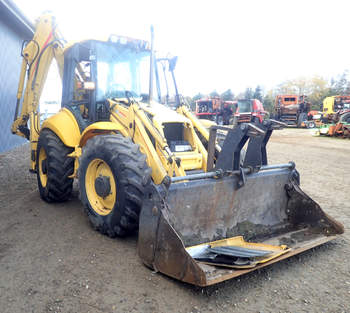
(65, 126)
(95, 129)
(98, 128)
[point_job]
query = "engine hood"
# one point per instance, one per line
(163, 114)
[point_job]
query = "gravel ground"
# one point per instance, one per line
(52, 261)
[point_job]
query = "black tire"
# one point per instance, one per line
(242, 156)
(345, 118)
(310, 125)
(234, 121)
(302, 117)
(56, 168)
(219, 120)
(131, 175)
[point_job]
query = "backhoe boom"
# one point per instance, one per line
(37, 54)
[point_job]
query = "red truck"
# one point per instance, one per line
(214, 109)
(208, 108)
(243, 111)
(249, 110)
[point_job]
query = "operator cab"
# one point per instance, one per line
(95, 71)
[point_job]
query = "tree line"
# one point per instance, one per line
(315, 87)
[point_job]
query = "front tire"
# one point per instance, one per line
(113, 177)
(219, 120)
(302, 118)
(53, 168)
(310, 125)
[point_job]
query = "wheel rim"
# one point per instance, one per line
(42, 167)
(101, 205)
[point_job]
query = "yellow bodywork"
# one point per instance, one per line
(328, 105)
(136, 124)
(207, 123)
(143, 122)
(98, 128)
(132, 121)
(65, 126)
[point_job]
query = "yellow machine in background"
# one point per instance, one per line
(331, 105)
(143, 165)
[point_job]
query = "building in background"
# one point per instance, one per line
(14, 28)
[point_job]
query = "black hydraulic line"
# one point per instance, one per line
(25, 43)
(38, 63)
(37, 125)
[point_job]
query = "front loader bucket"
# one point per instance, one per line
(210, 227)
(270, 208)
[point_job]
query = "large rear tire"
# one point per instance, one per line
(113, 177)
(345, 118)
(301, 118)
(53, 168)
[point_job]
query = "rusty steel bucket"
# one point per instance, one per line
(270, 208)
(265, 205)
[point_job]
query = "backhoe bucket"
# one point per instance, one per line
(208, 230)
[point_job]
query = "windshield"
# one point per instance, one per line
(122, 72)
(244, 106)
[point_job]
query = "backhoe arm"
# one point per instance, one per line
(37, 57)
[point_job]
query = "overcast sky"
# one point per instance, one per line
(220, 44)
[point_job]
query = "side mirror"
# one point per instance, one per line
(172, 64)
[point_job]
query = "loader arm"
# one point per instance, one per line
(196, 123)
(37, 54)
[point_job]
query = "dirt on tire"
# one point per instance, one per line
(51, 260)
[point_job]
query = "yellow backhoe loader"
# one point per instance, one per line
(203, 213)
